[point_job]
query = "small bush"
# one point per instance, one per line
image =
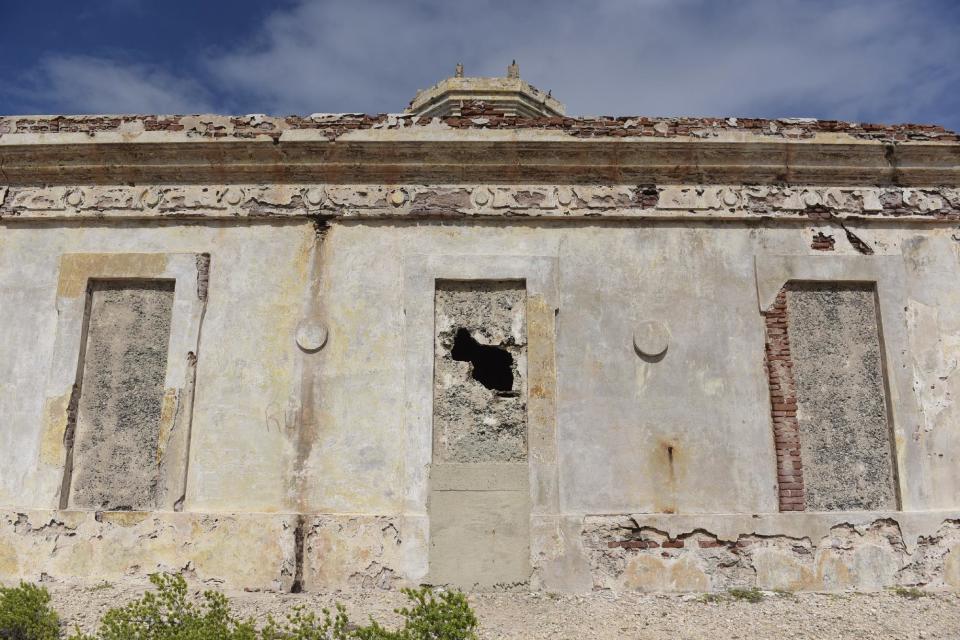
(304, 625)
(25, 614)
(447, 618)
(911, 593)
(753, 594)
(168, 615)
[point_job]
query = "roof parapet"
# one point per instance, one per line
(509, 96)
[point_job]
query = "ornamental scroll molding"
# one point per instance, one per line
(839, 200)
(358, 200)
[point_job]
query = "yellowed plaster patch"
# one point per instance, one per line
(77, 268)
(833, 572)
(646, 573)
(778, 570)
(168, 413)
(951, 567)
(542, 375)
(54, 425)
(124, 518)
(9, 562)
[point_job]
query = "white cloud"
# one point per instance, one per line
(884, 60)
(82, 84)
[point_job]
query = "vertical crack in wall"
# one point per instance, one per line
(302, 423)
(203, 275)
(190, 391)
(299, 541)
(783, 404)
(857, 243)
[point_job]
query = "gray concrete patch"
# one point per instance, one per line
(121, 395)
(842, 409)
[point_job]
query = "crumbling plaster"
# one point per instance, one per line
(248, 378)
(613, 225)
(403, 201)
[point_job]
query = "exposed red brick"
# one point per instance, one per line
(822, 242)
(783, 406)
(633, 544)
(710, 544)
(334, 125)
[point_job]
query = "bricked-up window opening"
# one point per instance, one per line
(112, 465)
(491, 366)
(829, 399)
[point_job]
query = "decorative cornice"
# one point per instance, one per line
(517, 159)
(407, 149)
(454, 201)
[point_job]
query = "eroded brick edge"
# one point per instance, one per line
(783, 406)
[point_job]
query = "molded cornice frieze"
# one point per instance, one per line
(606, 202)
(523, 156)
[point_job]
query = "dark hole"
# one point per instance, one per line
(492, 366)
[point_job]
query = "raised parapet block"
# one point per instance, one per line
(508, 96)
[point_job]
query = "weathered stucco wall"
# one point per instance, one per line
(674, 412)
(279, 429)
(247, 366)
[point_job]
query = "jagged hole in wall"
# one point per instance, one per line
(479, 479)
(479, 408)
(490, 366)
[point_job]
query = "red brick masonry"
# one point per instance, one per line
(823, 242)
(475, 116)
(783, 402)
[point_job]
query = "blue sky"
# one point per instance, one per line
(859, 60)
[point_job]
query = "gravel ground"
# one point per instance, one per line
(872, 616)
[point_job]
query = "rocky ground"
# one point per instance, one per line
(874, 616)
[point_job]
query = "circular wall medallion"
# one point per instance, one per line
(315, 196)
(233, 196)
(311, 335)
(651, 338)
(75, 198)
(151, 197)
(481, 196)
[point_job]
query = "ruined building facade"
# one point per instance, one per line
(480, 344)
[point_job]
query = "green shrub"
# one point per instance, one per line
(25, 614)
(911, 593)
(304, 625)
(710, 598)
(444, 616)
(167, 614)
(447, 618)
(753, 595)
